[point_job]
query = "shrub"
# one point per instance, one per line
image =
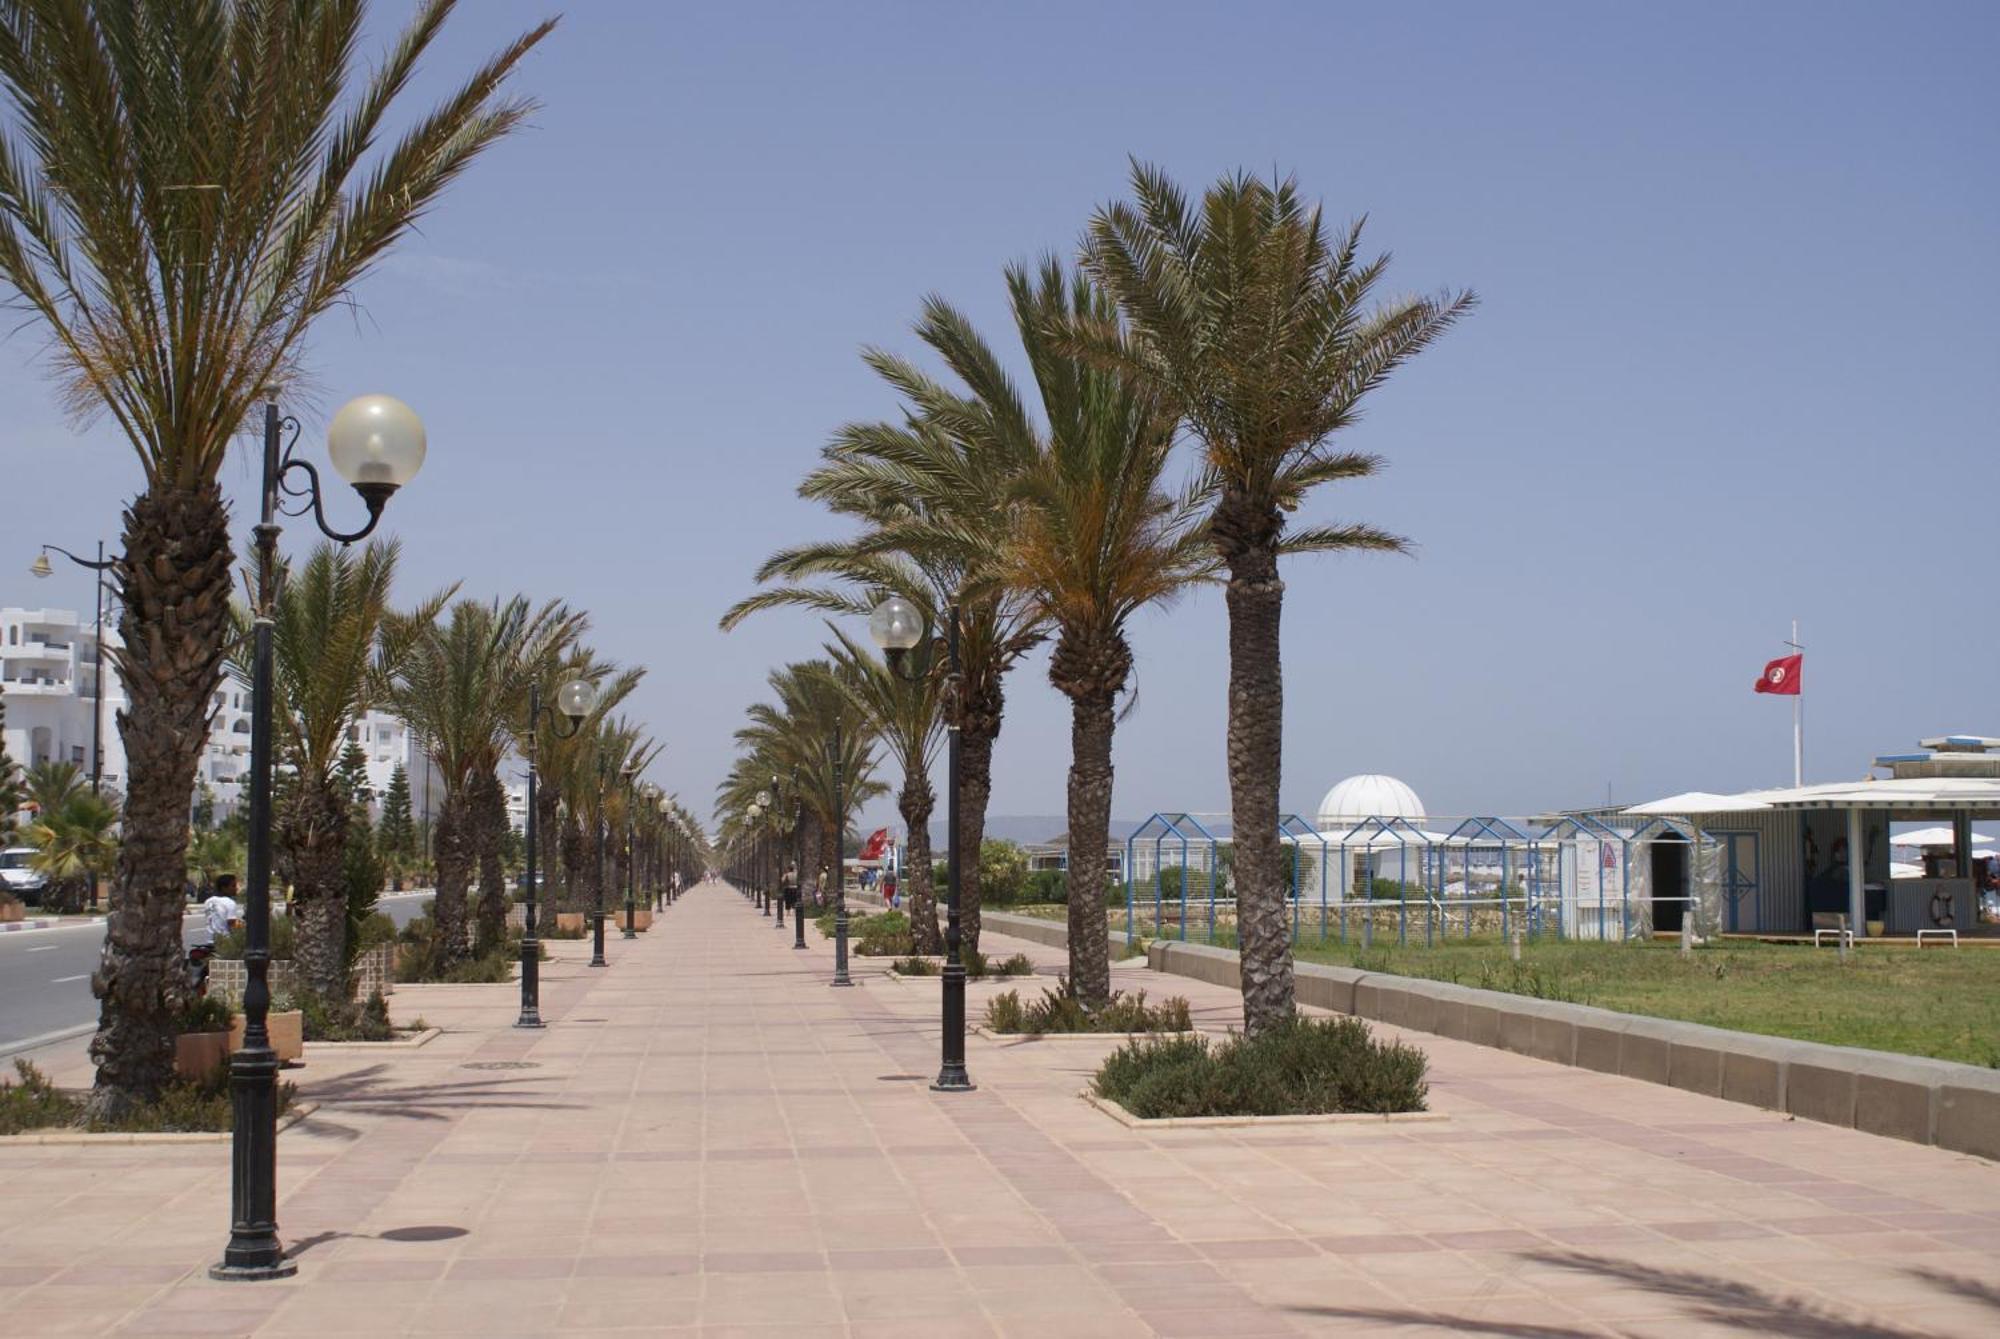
(1059, 1010)
(916, 966)
(885, 934)
(186, 1105)
(324, 1020)
(1307, 1066)
(1003, 872)
(33, 1103)
(1047, 885)
(284, 941)
(417, 959)
(205, 1013)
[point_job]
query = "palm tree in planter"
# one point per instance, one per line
(906, 715)
(186, 196)
(1253, 325)
(333, 653)
(454, 685)
(1093, 538)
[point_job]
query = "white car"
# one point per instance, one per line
(18, 877)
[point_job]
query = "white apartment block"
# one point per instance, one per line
(48, 674)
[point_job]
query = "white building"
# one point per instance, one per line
(48, 673)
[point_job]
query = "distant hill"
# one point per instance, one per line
(1029, 828)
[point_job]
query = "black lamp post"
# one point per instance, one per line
(897, 627)
(761, 852)
(771, 845)
(796, 846)
(631, 851)
(377, 445)
(840, 977)
(574, 701)
(41, 568)
(597, 911)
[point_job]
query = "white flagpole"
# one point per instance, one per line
(1798, 715)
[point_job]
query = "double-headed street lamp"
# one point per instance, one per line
(377, 445)
(574, 701)
(840, 977)
(897, 628)
(631, 848)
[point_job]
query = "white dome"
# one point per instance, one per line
(1368, 796)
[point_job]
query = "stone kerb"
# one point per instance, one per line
(1924, 1101)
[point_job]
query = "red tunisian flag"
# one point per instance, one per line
(1782, 675)
(877, 842)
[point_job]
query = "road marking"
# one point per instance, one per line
(43, 948)
(65, 980)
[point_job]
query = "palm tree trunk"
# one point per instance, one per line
(490, 817)
(1090, 671)
(455, 851)
(315, 833)
(175, 576)
(573, 890)
(548, 826)
(915, 805)
(979, 728)
(1256, 735)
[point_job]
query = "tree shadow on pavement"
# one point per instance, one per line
(368, 1092)
(1716, 1301)
(1444, 1321)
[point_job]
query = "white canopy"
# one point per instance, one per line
(1704, 802)
(1939, 836)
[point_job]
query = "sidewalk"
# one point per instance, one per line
(709, 1140)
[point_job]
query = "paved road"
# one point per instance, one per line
(45, 974)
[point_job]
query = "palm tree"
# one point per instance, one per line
(191, 188)
(50, 785)
(561, 761)
(927, 489)
(75, 842)
(793, 737)
(1093, 537)
(332, 657)
(1253, 325)
(906, 715)
(456, 684)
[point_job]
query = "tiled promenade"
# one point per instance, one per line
(709, 1140)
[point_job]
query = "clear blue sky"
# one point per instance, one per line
(1736, 361)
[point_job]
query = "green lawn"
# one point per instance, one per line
(1936, 1002)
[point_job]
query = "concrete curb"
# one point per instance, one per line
(298, 1113)
(409, 1043)
(1950, 1105)
(1132, 1122)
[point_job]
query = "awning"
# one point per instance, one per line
(1935, 837)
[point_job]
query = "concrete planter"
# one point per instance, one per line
(199, 1054)
(572, 922)
(287, 1029)
(12, 909)
(642, 919)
